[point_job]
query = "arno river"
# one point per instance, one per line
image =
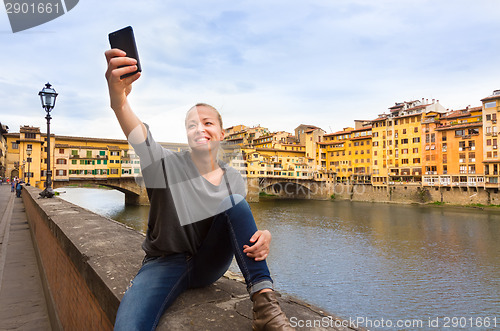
(365, 260)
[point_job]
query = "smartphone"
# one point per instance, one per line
(124, 39)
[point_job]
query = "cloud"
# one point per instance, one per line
(275, 63)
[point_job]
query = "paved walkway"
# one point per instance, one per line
(22, 301)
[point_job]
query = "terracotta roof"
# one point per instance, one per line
(459, 126)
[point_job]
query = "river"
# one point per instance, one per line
(381, 262)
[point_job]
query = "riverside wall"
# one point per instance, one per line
(414, 193)
(399, 192)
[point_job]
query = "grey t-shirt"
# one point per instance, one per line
(183, 203)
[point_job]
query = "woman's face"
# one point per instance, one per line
(203, 129)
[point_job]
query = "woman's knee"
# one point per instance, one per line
(234, 200)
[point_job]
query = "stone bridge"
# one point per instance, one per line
(135, 194)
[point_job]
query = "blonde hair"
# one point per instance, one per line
(201, 104)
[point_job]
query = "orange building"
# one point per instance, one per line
(453, 149)
(491, 107)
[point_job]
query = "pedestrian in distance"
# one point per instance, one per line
(198, 221)
(19, 188)
(13, 185)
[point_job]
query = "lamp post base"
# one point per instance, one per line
(47, 193)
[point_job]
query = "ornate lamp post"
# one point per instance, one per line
(28, 152)
(48, 97)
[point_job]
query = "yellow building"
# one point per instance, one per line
(242, 135)
(346, 155)
(379, 151)
(397, 142)
(333, 156)
(31, 168)
(3, 150)
(72, 158)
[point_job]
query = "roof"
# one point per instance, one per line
(495, 95)
(459, 126)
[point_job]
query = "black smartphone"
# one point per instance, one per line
(124, 39)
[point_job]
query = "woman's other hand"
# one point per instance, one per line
(260, 248)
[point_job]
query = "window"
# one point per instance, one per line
(73, 161)
(490, 104)
(443, 137)
(74, 152)
(61, 161)
(89, 154)
(415, 129)
(476, 131)
(60, 172)
(416, 140)
(61, 150)
(15, 145)
(30, 135)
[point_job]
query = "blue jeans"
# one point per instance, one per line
(162, 279)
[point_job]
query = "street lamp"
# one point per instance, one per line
(48, 97)
(28, 152)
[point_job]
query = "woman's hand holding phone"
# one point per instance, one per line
(118, 66)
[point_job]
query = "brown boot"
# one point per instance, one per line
(267, 314)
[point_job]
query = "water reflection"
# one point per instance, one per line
(364, 259)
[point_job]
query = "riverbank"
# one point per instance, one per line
(402, 193)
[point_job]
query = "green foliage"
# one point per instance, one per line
(264, 194)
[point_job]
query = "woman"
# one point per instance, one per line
(198, 218)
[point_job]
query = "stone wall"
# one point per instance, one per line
(415, 193)
(87, 260)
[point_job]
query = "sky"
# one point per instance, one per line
(272, 63)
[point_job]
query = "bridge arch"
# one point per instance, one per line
(134, 193)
